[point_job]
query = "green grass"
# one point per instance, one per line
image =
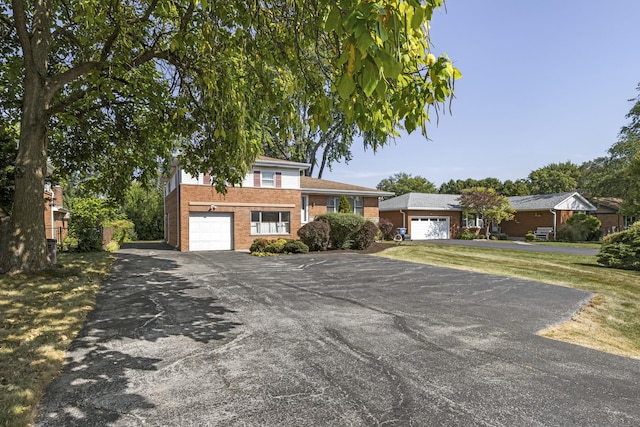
(586, 245)
(40, 314)
(611, 322)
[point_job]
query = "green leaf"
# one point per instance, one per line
(346, 86)
(334, 19)
(370, 77)
(417, 18)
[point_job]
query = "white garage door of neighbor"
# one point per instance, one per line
(429, 227)
(210, 231)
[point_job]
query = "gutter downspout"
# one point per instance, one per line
(404, 220)
(53, 224)
(553, 211)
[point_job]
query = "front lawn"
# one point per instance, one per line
(40, 314)
(611, 322)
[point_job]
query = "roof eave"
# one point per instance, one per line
(345, 192)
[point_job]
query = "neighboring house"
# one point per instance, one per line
(275, 200)
(440, 216)
(608, 212)
(56, 218)
(544, 210)
(425, 216)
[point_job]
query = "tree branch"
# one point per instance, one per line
(20, 20)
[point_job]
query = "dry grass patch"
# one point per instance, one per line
(40, 313)
(611, 322)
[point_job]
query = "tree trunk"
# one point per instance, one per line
(26, 245)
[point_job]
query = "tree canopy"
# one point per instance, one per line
(555, 178)
(109, 88)
(402, 183)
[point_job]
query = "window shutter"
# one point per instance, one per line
(206, 180)
(256, 178)
(278, 179)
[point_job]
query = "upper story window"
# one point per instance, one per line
(269, 179)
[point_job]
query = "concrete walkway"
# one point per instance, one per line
(332, 339)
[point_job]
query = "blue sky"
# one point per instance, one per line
(544, 81)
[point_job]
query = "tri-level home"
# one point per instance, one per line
(274, 200)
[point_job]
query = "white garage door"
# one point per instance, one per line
(429, 227)
(210, 231)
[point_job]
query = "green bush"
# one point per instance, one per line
(258, 245)
(580, 227)
(275, 246)
(112, 246)
(365, 236)
(122, 230)
(343, 227)
(386, 228)
(344, 206)
(529, 237)
(89, 216)
(315, 235)
(622, 249)
(467, 235)
(295, 247)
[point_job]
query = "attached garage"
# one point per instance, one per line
(429, 227)
(210, 231)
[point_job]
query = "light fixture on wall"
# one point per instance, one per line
(212, 207)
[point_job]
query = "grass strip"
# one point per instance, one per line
(40, 314)
(611, 322)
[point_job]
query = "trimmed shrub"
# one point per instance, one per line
(386, 228)
(344, 206)
(529, 237)
(258, 245)
(622, 250)
(365, 236)
(112, 246)
(295, 247)
(275, 246)
(342, 226)
(315, 235)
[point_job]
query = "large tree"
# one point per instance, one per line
(555, 178)
(402, 183)
(487, 204)
(108, 87)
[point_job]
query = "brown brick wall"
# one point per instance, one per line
(241, 214)
(611, 222)
(370, 205)
(526, 221)
(171, 218)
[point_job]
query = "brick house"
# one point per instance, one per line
(56, 217)
(274, 200)
(440, 216)
(608, 212)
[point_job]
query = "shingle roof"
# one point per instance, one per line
(450, 202)
(544, 201)
(443, 202)
(315, 185)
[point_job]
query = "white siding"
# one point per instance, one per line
(185, 178)
(290, 178)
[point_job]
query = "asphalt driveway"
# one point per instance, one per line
(336, 339)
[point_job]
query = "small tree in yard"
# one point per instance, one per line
(622, 250)
(344, 206)
(487, 204)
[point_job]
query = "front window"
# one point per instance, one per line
(627, 221)
(266, 222)
(357, 207)
(472, 221)
(268, 179)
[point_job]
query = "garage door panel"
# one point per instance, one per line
(428, 228)
(210, 231)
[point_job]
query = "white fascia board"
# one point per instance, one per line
(281, 164)
(345, 192)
